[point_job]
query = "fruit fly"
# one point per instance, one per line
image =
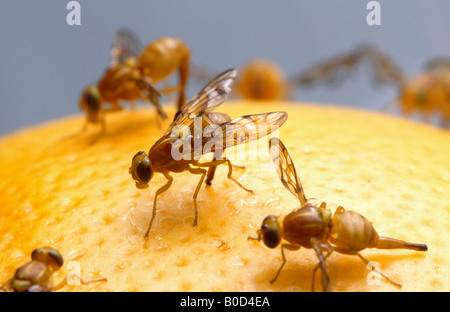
(312, 226)
(197, 130)
(427, 93)
(133, 73)
(36, 275)
(260, 79)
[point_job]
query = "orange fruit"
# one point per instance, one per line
(80, 199)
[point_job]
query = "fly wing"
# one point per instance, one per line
(248, 128)
(438, 63)
(339, 67)
(286, 169)
(244, 129)
(152, 94)
(126, 44)
(207, 100)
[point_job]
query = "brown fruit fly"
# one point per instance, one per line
(259, 80)
(133, 73)
(36, 275)
(312, 226)
(197, 130)
(427, 93)
(262, 79)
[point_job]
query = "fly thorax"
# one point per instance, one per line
(33, 272)
(326, 219)
(303, 224)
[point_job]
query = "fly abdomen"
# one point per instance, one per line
(350, 232)
(392, 243)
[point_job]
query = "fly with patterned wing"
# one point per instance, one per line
(198, 115)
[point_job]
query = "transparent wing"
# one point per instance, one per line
(438, 63)
(339, 67)
(286, 169)
(241, 130)
(152, 94)
(207, 100)
(248, 128)
(385, 69)
(126, 44)
(201, 73)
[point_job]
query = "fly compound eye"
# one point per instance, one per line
(38, 254)
(56, 257)
(270, 230)
(141, 169)
(144, 170)
(92, 98)
(49, 256)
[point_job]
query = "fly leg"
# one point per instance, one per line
(184, 74)
(287, 246)
(392, 243)
(101, 132)
(317, 248)
(330, 251)
(164, 188)
(203, 173)
(83, 129)
(215, 163)
(212, 170)
(230, 171)
(115, 107)
(370, 266)
(210, 176)
(83, 282)
(183, 71)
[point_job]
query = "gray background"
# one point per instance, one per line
(45, 63)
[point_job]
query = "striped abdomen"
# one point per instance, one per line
(350, 232)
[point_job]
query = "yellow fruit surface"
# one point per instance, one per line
(80, 199)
